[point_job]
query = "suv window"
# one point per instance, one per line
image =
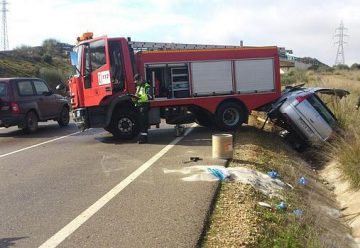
(3, 89)
(40, 87)
(323, 111)
(25, 88)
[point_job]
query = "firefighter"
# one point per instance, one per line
(143, 105)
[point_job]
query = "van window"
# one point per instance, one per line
(322, 110)
(25, 88)
(3, 89)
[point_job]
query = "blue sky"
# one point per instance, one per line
(307, 27)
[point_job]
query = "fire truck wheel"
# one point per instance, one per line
(124, 125)
(229, 116)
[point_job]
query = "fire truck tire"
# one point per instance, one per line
(124, 125)
(230, 116)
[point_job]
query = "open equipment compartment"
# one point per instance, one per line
(168, 80)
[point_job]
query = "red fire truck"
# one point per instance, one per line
(207, 84)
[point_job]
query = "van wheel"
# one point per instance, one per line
(230, 116)
(64, 117)
(31, 122)
(124, 124)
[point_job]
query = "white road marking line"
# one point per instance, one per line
(66, 231)
(40, 144)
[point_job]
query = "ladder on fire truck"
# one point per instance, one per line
(153, 46)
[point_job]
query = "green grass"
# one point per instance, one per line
(28, 62)
(286, 230)
(294, 76)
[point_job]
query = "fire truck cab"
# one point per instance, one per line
(207, 84)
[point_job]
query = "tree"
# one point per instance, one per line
(50, 46)
(355, 66)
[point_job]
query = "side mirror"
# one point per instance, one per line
(60, 86)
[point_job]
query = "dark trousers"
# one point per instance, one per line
(143, 110)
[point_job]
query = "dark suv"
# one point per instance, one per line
(26, 101)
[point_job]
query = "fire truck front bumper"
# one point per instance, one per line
(80, 118)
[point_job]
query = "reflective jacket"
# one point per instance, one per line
(143, 92)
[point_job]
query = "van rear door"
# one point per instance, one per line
(317, 115)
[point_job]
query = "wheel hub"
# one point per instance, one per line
(231, 116)
(125, 125)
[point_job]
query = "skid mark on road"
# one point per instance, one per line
(66, 231)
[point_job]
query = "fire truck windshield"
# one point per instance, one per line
(75, 57)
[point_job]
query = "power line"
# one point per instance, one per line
(4, 42)
(340, 33)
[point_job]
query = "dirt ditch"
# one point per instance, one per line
(312, 216)
(348, 198)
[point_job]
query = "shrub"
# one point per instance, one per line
(346, 146)
(341, 67)
(294, 76)
(50, 46)
(47, 58)
(52, 76)
(355, 66)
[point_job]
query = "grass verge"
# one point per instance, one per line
(238, 220)
(345, 148)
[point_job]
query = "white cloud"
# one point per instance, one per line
(305, 26)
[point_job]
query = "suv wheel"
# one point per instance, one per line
(31, 122)
(64, 117)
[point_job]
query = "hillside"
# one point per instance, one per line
(49, 62)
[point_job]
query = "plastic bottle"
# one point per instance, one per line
(273, 174)
(281, 206)
(302, 180)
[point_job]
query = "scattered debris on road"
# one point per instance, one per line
(260, 181)
(193, 159)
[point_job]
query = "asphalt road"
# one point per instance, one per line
(60, 187)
